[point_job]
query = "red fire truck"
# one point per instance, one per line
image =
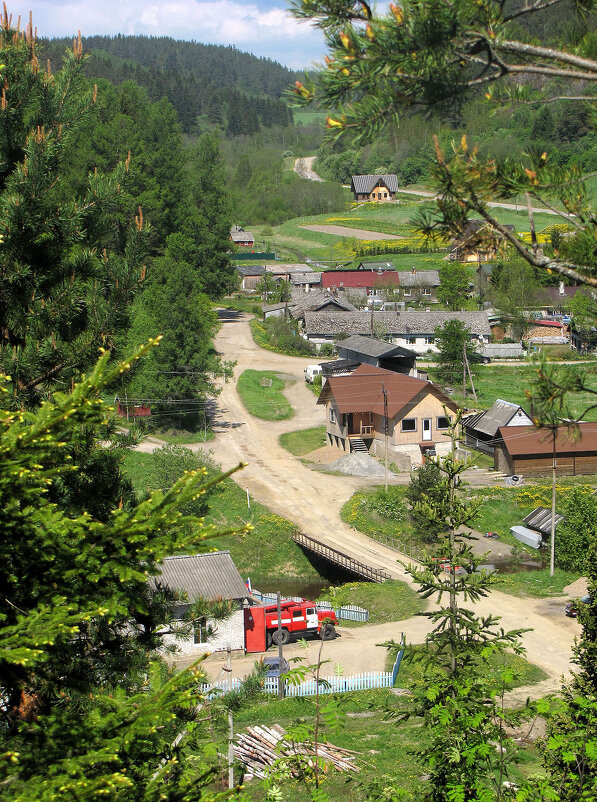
(298, 618)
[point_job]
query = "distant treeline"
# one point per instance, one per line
(207, 84)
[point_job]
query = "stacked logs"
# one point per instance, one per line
(260, 747)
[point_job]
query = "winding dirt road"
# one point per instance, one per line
(313, 499)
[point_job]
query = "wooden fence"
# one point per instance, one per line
(339, 558)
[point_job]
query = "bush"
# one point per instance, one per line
(579, 529)
(388, 503)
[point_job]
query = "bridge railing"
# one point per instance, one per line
(339, 558)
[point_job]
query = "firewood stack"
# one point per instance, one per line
(257, 749)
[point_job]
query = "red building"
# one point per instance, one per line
(359, 279)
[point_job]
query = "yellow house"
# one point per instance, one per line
(418, 415)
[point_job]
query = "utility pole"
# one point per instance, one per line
(552, 559)
(230, 734)
(280, 681)
(464, 370)
(385, 426)
(470, 375)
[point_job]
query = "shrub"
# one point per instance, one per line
(388, 503)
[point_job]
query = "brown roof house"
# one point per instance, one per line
(213, 577)
(476, 243)
(418, 415)
(378, 188)
(528, 451)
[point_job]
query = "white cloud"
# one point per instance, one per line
(264, 29)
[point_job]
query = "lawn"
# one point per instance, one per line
(304, 441)
(266, 553)
(536, 583)
(510, 383)
(386, 602)
(261, 398)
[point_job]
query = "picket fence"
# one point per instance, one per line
(336, 684)
(348, 612)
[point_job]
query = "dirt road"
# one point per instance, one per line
(345, 231)
(304, 168)
(312, 500)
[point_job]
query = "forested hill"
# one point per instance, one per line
(216, 84)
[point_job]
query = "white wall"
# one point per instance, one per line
(229, 633)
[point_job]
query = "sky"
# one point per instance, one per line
(262, 27)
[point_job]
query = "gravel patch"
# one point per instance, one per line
(356, 464)
(577, 589)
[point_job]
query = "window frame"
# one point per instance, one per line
(409, 431)
(200, 631)
(332, 416)
(440, 418)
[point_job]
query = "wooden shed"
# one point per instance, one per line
(528, 451)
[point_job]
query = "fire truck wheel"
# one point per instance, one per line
(268, 640)
(280, 637)
(327, 632)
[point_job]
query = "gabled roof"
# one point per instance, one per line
(305, 278)
(242, 236)
(425, 323)
(210, 576)
(500, 413)
(313, 301)
(523, 441)
(423, 278)
(359, 322)
(369, 346)
(359, 278)
(540, 519)
(367, 183)
(362, 391)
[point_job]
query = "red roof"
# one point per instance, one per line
(364, 279)
(553, 323)
(531, 441)
(362, 391)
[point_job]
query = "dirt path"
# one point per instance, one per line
(312, 500)
(304, 168)
(344, 231)
(516, 207)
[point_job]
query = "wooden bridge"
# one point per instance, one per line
(339, 558)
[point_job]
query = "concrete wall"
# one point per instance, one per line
(229, 633)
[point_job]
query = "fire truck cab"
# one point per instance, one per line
(297, 619)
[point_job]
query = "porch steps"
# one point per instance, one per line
(358, 444)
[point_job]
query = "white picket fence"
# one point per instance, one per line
(354, 682)
(348, 612)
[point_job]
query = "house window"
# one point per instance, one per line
(406, 293)
(408, 425)
(429, 340)
(443, 422)
(200, 631)
(426, 291)
(409, 340)
(332, 415)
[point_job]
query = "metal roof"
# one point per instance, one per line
(540, 519)
(368, 346)
(209, 576)
(362, 391)
(305, 278)
(360, 278)
(500, 413)
(529, 441)
(242, 236)
(331, 323)
(250, 270)
(314, 301)
(367, 183)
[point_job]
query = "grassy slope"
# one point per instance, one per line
(388, 601)
(267, 552)
(267, 403)
(304, 441)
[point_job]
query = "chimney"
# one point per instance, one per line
(561, 288)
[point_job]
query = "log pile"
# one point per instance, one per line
(260, 747)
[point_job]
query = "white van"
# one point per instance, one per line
(311, 371)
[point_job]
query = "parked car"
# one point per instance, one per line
(311, 371)
(572, 606)
(275, 666)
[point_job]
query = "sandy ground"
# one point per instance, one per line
(312, 500)
(304, 168)
(344, 231)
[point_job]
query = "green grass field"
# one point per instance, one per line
(304, 441)
(289, 240)
(262, 401)
(307, 117)
(536, 583)
(386, 602)
(266, 553)
(511, 381)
